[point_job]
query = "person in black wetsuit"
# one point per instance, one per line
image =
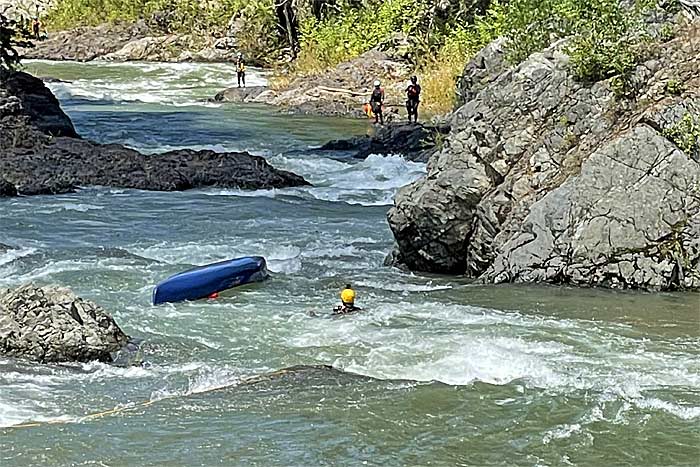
(376, 101)
(413, 99)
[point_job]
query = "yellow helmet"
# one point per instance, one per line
(347, 295)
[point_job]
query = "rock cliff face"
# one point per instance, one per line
(51, 324)
(543, 178)
(40, 153)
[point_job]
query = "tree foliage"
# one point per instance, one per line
(9, 40)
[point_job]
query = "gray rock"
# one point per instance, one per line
(240, 95)
(543, 178)
(51, 324)
(628, 220)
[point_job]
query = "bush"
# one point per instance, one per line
(354, 31)
(686, 135)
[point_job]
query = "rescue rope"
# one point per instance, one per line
(133, 406)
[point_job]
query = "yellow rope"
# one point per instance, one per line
(126, 408)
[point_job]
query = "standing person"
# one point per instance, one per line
(413, 99)
(240, 69)
(36, 28)
(376, 101)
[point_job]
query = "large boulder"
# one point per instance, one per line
(39, 104)
(51, 324)
(61, 164)
(415, 142)
(543, 178)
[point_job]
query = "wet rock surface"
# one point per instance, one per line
(51, 324)
(36, 162)
(415, 142)
(543, 178)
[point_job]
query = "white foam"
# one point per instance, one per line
(175, 84)
(15, 254)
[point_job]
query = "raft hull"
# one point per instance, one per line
(203, 281)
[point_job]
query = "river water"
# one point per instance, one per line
(435, 372)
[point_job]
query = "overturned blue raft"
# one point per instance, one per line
(206, 280)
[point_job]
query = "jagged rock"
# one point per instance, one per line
(51, 324)
(86, 43)
(486, 65)
(7, 189)
(39, 104)
(507, 198)
(415, 142)
(620, 223)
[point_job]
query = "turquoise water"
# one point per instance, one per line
(435, 372)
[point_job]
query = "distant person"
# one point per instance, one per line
(36, 28)
(376, 102)
(413, 99)
(347, 298)
(240, 69)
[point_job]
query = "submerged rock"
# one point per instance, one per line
(543, 178)
(51, 324)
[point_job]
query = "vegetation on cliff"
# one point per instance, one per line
(606, 37)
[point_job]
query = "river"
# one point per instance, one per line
(436, 371)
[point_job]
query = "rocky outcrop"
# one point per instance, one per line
(543, 178)
(341, 91)
(415, 142)
(61, 164)
(128, 42)
(87, 43)
(51, 324)
(35, 161)
(39, 104)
